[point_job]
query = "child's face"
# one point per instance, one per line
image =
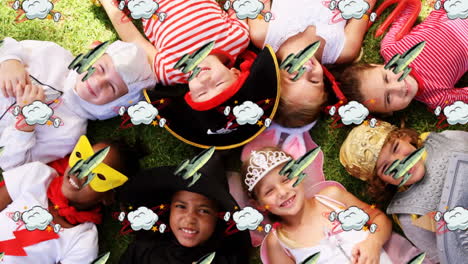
(398, 149)
(382, 91)
(104, 85)
(308, 88)
(213, 78)
(193, 218)
(278, 194)
(85, 197)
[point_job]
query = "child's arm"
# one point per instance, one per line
(127, 30)
(12, 67)
(276, 253)
(20, 141)
(367, 251)
(354, 34)
(390, 38)
(5, 198)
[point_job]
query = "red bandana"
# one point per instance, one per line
(73, 216)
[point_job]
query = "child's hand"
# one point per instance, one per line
(28, 94)
(12, 72)
(366, 252)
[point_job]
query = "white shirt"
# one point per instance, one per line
(293, 17)
(47, 62)
(27, 186)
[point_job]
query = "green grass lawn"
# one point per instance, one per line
(83, 23)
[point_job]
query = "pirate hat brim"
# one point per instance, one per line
(219, 126)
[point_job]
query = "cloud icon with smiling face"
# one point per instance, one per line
(353, 8)
(456, 9)
(247, 218)
(456, 219)
(457, 113)
(142, 112)
(37, 8)
(36, 218)
(353, 113)
(37, 113)
(247, 8)
(142, 218)
(247, 113)
(142, 8)
(353, 218)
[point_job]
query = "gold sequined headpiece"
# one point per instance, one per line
(360, 150)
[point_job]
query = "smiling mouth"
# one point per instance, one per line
(189, 232)
(288, 202)
(89, 88)
(407, 88)
(73, 183)
(203, 70)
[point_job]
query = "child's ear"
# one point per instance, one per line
(94, 44)
(235, 71)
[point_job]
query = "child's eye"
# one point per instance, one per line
(395, 148)
(205, 211)
(386, 78)
(286, 180)
(180, 206)
(269, 191)
(218, 84)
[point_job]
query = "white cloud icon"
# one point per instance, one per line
(162, 227)
(457, 113)
(37, 113)
(353, 113)
(247, 112)
(37, 8)
(36, 218)
(456, 9)
(142, 218)
(227, 215)
(247, 8)
(456, 219)
(142, 8)
(247, 218)
(121, 216)
(353, 8)
(353, 218)
(142, 112)
(373, 122)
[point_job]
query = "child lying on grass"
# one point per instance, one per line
(195, 225)
(435, 71)
(120, 76)
(69, 206)
(437, 180)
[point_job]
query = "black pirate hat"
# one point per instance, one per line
(155, 186)
(231, 118)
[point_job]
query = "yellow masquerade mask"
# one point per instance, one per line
(101, 177)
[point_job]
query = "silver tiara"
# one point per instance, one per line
(262, 162)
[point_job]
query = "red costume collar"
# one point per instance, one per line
(55, 195)
(420, 82)
(249, 58)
